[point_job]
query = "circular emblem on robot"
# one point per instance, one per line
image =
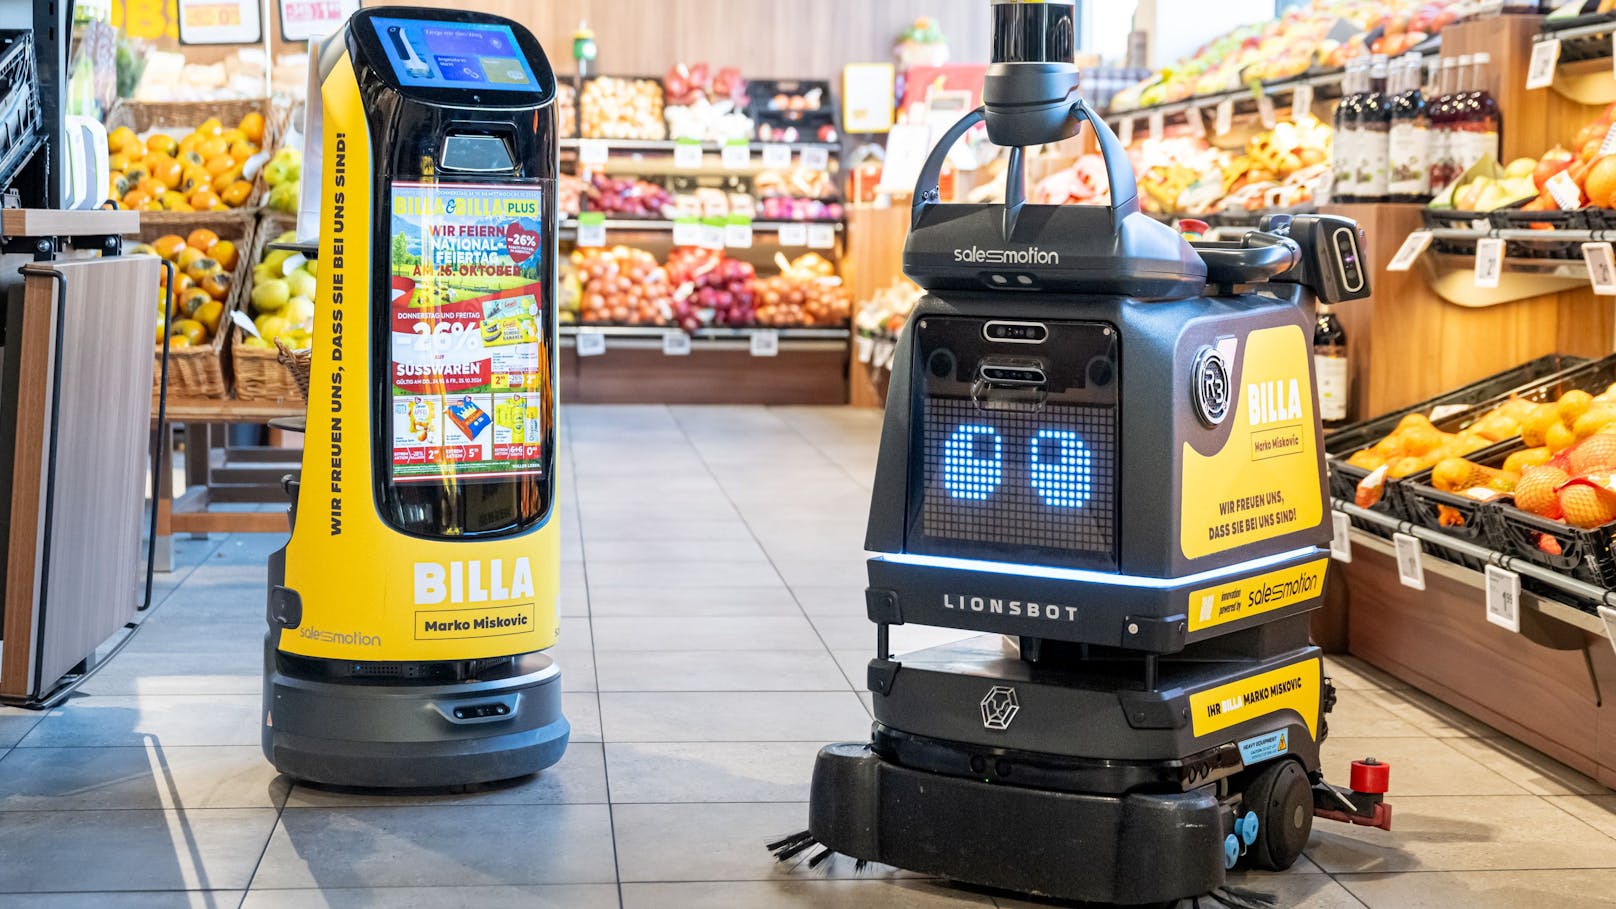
(999, 708)
(1211, 388)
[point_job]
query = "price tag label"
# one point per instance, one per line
(686, 205)
(1540, 70)
(1224, 119)
(1125, 130)
(1504, 598)
(687, 232)
(687, 154)
(1565, 191)
(776, 156)
(675, 344)
(1265, 111)
(712, 232)
(1413, 247)
(591, 229)
(593, 151)
(881, 358)
(738, 232)
(1489, 261)
(1608, 616)
(1410, 561)
(591, 343)
(821, 236)
(1302, 102)
(794, 234)
(1608, 144)
(1447, 410)
(1601, 267)
(1196, 121)
(1158, 125)
(816, 157)
(737, 154)
(765, 343)
(863, 347)
(1341, 542)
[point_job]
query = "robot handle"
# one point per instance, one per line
(1119, 168)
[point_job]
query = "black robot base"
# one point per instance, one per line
(426, 735)
(1070, 780)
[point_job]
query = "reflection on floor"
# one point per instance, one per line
(713, 638)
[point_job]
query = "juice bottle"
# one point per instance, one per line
(1374, 124)
(1408, 147)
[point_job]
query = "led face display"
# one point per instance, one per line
(1015, 473)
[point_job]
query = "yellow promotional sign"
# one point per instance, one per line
(1265, 482)
(368, 592)
(1295, 687)
(1235, 600)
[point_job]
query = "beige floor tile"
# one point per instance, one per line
(1425, 766)
(1598, 811)
(1358, 716)
(1464, 833)
(1349, 672)
(1429, 715)
(1533, 771)
(1570, 889)
(801, 895)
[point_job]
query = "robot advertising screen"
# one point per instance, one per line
(470, 368)
(475, 55)
(1019, 443)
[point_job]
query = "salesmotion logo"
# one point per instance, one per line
(976, 255)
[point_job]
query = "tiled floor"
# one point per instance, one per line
(713, 638)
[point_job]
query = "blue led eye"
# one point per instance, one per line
(1065, 479)
(969, 472)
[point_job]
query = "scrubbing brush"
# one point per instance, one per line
(788, 848)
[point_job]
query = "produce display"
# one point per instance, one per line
(724, 296)
(210, 169)
(704, 105)
(1592, 174)
(281, 303)
(806, 292)
(620, 285)
(1085, 182)
(626, 197)
(203, 264)
(567, 110)
(799, 182)
(613, 108)
(1322, 37)
(1488, 187)
(284, 174)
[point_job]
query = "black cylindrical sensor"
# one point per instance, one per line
(1034, 31)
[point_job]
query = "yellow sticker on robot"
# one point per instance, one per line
(1264, 593)
(1267, 480)
(1295, 687)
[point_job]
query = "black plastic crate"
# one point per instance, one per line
(1449, 219)
(1517, 218)
(771, 116)
(20, 114)
(1423, 504)
(1587, 555)
(1465, 405)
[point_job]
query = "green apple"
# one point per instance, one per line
(271, 296)
(301, 283)
(299, 312)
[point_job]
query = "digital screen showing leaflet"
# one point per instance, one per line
(455, 55)
(470, 374)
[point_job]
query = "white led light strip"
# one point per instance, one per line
(1095, 577)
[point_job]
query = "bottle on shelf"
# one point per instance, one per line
(1374, 124)
(1330, 366)
(1408, 145)
(1439, 111)
(1477, 119)
(1344, 162)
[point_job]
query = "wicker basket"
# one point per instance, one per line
(181, 117)
(261, 375)
(203, 372)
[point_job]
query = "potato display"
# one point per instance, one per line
(612, 108)
(807, 292)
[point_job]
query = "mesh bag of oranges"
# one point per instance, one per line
(187, 157)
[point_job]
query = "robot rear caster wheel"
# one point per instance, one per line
(1282, 799)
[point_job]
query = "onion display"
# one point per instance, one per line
(613, 108)
(627, 198)
(622, 286)
(806, 293)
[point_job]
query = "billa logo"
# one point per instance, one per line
(521, 243)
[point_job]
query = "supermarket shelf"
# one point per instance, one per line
(668, 145)
(570, 225)
(1325, 85)
(656, 333)
(1435, 564)
(1583, 71)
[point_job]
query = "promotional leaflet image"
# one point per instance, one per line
(470, 372)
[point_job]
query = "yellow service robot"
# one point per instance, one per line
(410, 612)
